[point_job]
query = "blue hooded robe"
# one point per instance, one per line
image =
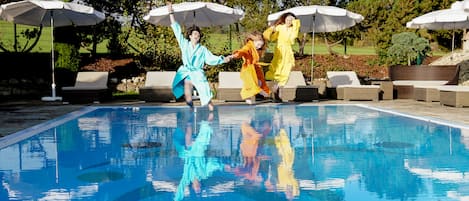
(193, 59)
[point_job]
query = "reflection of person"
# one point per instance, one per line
(194, 57)
(253, 155)
(251, 72)
(248, 147)
(286, 177)
(284, 31)
(197, 166)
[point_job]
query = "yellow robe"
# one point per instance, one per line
(251, 72)
(283, 60)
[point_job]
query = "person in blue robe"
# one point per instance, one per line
(194, 57)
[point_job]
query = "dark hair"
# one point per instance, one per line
(192, 29)
(281, 19)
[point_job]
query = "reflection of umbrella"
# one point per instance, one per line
(446, 19)
(320, 19)
(202, 14)
(50, 13)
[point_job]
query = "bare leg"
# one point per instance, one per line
(188, 87)
(210, 106)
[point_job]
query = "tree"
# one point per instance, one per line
(386, 17)
(407, 47)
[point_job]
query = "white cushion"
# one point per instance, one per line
(454, 88)
(359, 86)
(229, 80)
(337, 78)
(419, 82)
(159, 79)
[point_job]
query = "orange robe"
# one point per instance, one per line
(251, 71)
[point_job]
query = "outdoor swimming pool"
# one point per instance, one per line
(242, 153)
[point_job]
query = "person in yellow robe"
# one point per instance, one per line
(284, 31)
(252, 74)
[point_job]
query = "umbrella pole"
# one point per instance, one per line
(52, 53)
(452, 46)
(312, 50)
(53, 97)
(230, 39)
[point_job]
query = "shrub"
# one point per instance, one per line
(407, 48)
(67, 56)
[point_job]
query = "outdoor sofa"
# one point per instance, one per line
(413, 81)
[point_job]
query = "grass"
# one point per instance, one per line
(215, 42)
(44, 43)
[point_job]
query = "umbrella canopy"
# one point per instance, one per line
(320, 19)
(202, 14)
(53, 14)
(447, 19)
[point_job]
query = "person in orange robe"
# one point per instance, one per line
(252, 74)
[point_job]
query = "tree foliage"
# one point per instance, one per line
(406, 48)
(387, 17)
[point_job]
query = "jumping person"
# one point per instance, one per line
(194, 56)
(252, 74)
(284, 30)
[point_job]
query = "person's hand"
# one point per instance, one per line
(227, 58)
(273, 28)
(170, 7)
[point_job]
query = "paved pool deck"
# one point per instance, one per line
(18, 115)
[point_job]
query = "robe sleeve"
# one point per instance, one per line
(211, 59)
(296, 28)
(270, 35)
(243, 52)
(178, 33)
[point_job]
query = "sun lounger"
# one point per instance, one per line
(348, 87)
(297, 90)
(457, 96)
(89, 87)
(158, 86)
(229, 86)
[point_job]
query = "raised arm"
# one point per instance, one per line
(171, 12)
(175, 25)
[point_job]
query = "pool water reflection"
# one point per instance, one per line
(239, 153)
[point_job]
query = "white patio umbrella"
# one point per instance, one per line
(447, 19)
(320, 19)
(202, 14)
(51, 13)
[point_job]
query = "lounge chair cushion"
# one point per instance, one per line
(89, 87)
(347, 86)
(158, 86)
(296, 89)
(229, 86)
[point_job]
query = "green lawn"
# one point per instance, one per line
(216, 42)
(44, 43)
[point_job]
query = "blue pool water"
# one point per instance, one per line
(237, 153)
